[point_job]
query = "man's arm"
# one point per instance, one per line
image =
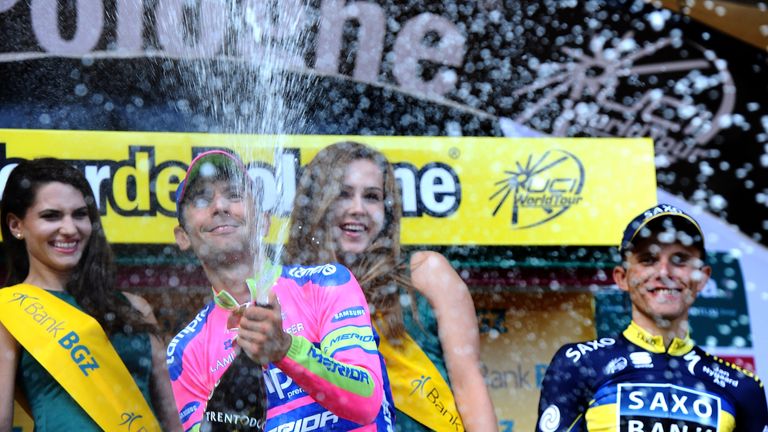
(753, 414)
(564, 395)
(189, 392)
(344, 373)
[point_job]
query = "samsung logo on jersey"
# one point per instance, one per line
(352, 312)
(188, 410)
(656, 401)
(575, 352)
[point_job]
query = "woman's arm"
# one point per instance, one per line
(9, 360)
(160, 382)
(433, 276)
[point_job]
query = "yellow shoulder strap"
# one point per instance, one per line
(74, 349)
(418, 388)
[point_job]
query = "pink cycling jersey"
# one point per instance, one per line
(332, 376)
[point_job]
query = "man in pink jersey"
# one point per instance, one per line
(310, 353)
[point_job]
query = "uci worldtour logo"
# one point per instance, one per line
(541, 188)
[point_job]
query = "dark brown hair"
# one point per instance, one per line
(92, 282)
(379, 269)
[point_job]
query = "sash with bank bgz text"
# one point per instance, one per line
(74, 349)
(418, 388)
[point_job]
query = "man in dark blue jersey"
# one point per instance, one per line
(652, 378)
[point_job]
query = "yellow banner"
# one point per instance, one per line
(456, 190)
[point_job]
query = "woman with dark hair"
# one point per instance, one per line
(85, 355)
(347, 209)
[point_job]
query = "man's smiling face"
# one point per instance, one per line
(663, 280)
(215, 220)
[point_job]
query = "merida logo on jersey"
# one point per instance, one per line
(316, 422)
(652, 407)
(575, 352)
(352, 312)
(333, 366)
(358, 338)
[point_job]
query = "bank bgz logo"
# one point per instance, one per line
(540, 188)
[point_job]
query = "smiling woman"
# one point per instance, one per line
(68, 338)
(348, 209)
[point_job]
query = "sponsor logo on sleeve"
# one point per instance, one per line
(550, 419)
(350, 337)
(187, 411)
(616, 365)
(349, 372)
(175, 351)
(692, 358)
(720, 376)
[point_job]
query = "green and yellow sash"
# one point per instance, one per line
(74, 349)
(418, 388)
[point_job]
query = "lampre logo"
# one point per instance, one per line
(540, 188)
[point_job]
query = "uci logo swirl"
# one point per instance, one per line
(540, 189)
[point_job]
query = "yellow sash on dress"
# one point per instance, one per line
(418, 388)
(74, 349)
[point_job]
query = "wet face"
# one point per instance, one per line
(663, 280)
(357, 215)
(214, 220)
(55, 229)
